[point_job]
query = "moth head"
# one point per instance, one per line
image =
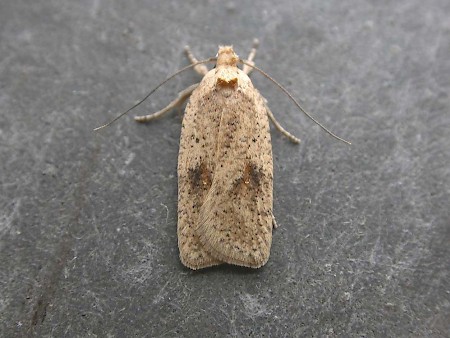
(226, 56)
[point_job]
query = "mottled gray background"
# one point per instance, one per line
(88, 220)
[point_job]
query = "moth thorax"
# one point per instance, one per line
(227, 78)
(224, 82)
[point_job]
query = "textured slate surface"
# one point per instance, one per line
(88, 221)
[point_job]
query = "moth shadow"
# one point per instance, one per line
(228, 269)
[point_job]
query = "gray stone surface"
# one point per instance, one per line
(88, 220)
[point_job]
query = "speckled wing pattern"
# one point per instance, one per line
(225, 174)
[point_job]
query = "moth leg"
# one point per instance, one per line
(201, 69)
(278, 126)
(182, 96)
(274, 222)
(247, 69)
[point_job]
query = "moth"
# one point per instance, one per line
(225, 165)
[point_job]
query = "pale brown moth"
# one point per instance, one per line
(225, 166)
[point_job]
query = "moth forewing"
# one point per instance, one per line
(235, 223)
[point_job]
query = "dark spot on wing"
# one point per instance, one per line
(200, 178)
(254, 173)
(251, 179)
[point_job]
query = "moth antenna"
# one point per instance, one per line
(294, 100)
(153, 90)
